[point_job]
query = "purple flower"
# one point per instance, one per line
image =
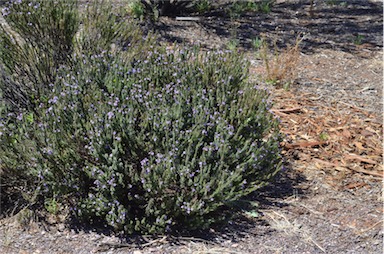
(48, 151)
(110, 115)
(53, 100)
(144, 162)
(20, 117)
(5, 11)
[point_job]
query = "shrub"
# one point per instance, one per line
(145, 141)
(40, 41)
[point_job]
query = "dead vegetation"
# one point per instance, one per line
(281, 66)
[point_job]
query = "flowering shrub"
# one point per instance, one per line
(146, 141)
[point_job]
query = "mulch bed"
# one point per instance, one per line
(338, 137)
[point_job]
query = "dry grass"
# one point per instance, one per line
(205, 249)
(280, 222)
(281, 66)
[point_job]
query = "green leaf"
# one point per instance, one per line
(29, 117)
(252, 214)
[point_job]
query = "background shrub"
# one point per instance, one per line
(143, 140)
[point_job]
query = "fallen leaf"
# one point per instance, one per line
(252, 214)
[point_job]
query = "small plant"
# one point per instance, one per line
(8, 237)
(51, 205)
(281, 67)
(237, 8)
(358, 39)
(25, 217)
(202, 6)
(324, 136)
(232, 44)
(336, 3)
(257, 43)
(136, 9)
(265, 6)
(332, 2)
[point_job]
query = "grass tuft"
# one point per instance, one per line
(281, 66)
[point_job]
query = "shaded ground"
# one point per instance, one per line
(332, 26)
(329, 199)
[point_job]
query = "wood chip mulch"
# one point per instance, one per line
(337, 137)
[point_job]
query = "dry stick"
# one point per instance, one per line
(127, 245)
(191, 239)
(353, 106)
(359, 158)
(311, 210)
(150, 242)
(367, 172)
(287, 110)
(327, 163)
(316, 98)
(159, 240)
(371, 227)
(305, 144)
(187, 18)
